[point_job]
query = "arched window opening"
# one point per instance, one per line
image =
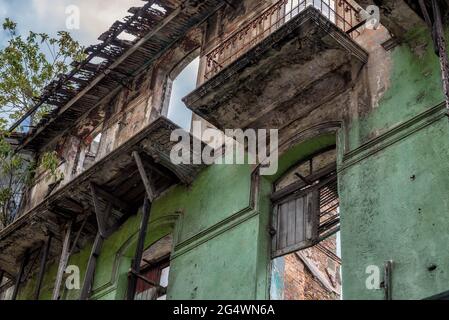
(306, 257)
(92, 151)
(183, 84)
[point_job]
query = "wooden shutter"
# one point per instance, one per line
(295, 222)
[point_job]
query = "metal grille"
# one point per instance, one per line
(339, 12)
(329, 210)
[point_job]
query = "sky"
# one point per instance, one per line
(95, 17)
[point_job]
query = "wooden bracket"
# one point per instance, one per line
(101, 215)
(24, 263)
(43, 264)
(63, 261)
(145, 177)
(90, 270)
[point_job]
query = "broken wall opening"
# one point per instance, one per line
(181, 81)
(306, 261)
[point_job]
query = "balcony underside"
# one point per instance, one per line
(308, 60)
(117, 181)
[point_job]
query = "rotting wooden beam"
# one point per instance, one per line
(90, 270)
(24, 263)
(63, 260)
(78, 234)
(145, 179)
(43, 263)
(135, 267)
(100, 214)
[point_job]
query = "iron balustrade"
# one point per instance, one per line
(340, 12)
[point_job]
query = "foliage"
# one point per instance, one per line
(27, 65)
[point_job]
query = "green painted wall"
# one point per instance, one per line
(394, 200)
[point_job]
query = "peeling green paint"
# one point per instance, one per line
(394, 203)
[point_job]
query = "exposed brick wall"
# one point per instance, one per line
(301, 284)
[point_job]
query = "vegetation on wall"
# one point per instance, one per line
(27, 65)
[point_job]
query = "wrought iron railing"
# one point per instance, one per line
(340, 12)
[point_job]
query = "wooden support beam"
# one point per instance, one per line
(118, 203)
(145, 179)
(63, 261)
(135, 267)
(78, 234)
(24, 263)
(44, 258)
(100, 214)
(90, 270)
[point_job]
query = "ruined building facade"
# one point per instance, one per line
(356, 209)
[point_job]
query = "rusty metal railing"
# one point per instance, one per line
(340, 12)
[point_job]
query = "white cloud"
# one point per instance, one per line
(96, 16)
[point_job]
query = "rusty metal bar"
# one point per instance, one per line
(339, 12)
(135, 267)
(44, 259)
